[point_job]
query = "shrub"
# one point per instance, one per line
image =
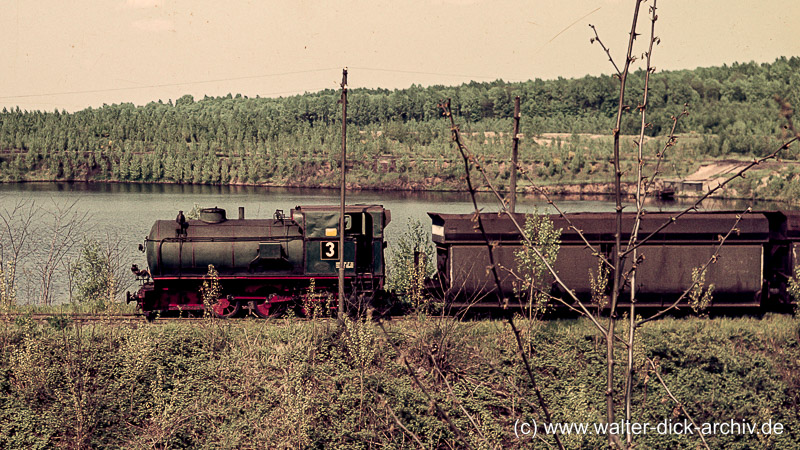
(536, 278)
(95, 276)
(411, 260)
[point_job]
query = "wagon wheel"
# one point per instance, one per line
(225, 307)
(265, 310)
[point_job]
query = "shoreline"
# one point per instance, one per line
(576, 191)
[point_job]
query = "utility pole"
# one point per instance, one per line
(342, 189)
(514, 157)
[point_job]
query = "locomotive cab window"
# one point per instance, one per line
(356, 223)
(362, 229)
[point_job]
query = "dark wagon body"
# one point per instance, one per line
(752, 269)
(263, 264)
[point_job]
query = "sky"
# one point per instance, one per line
(73, 54)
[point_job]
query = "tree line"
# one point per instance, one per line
(236, 139)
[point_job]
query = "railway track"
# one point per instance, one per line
(88, 318)
(139, 319)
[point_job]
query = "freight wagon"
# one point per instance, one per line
(752, 269)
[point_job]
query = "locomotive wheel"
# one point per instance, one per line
(226, 307)
(265, 310)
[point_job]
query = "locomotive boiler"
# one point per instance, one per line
(752, 268)
(263, 265)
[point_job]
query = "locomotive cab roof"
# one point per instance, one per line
(321, 221)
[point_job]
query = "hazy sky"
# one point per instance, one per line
(72, 54)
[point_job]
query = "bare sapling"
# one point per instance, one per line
(60, 233)
(616, 263)
(15, 237)
(36, 244)
(469, 160)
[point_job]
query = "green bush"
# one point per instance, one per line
(406, 276)
(534, 288)
(95, 280)
(284, 384)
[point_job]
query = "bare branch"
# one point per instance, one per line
(596, 38)
(468, 157)
(719, 186)
(563, 215)
(459, 402)
(503, 210)
(711, 260)
(617, 256)
(640, 197)
(419, 384)
(660, 156)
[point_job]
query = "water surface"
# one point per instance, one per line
(125, 212)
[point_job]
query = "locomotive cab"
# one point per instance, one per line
(363, 246)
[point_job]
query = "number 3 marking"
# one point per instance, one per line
(331, 252)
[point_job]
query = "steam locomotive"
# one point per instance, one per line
(263, 265)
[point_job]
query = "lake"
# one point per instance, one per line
(125, 212)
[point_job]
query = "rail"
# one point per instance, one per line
(137, 319)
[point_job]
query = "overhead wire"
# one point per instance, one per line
(417, 72)
(250, 77)
(153, 86)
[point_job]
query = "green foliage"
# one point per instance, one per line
(407, 273)
(59, 321)
(536, 278)
(598, 285)
(95, 281)
(700, 296)
(793, 289)
(360, 341)
(8, 289)
(194, 213)
(210, 290)
(311, 300)
(25, 321)
(299, 385)
(240, 140)
(316, 303)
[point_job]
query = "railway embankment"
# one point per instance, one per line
(294, 384)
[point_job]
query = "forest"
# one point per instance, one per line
(397, 139)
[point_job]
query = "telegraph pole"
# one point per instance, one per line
(342, 189)
(514, 156)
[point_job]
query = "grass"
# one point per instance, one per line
(74, 308)
(284, 384)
